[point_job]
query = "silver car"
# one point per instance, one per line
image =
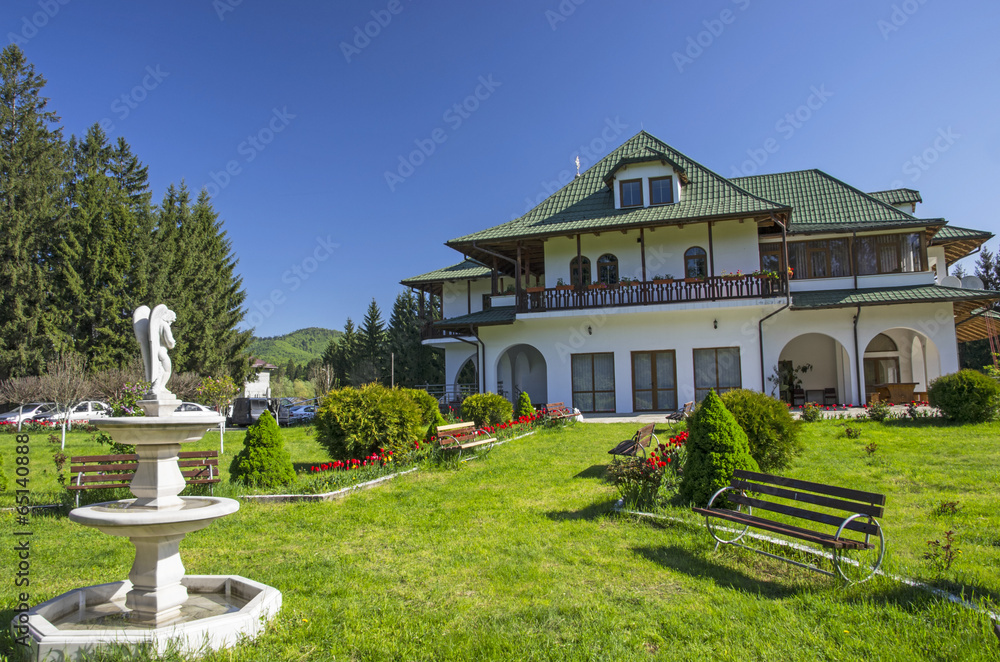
(28, 412)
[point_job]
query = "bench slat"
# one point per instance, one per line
(473, 444)
(801, 513)
(815, 499)
(784, 529)
(456, 426)
(819, 488)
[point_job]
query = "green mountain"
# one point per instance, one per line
(300, 346)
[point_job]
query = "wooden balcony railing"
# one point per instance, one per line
(717, 288)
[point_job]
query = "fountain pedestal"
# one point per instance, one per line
(159, 604)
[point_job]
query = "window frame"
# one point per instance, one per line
(704, 262)
(604, 269)
(585, 271)
(717, 388)
(670, 188)
(655, 389)
(593, 382)
(621, 192)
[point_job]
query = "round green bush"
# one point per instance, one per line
(263, 461)
(487, 409)
(524, 407)
(352, 423)
(430, 411)
(771, 431)
(716, 447)
(966, 396)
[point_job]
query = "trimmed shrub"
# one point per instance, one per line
(717, 446)
(430, 411)
(878, 411)
(966, 396)
(263, 462)
(811, 412)
(771, 431)
(487, 409)
(357, 422)
(524, 407)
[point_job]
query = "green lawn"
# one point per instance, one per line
(519, 557)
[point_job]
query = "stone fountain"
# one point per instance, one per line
(158, 605)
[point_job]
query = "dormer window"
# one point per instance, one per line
(661, 190)
(631, 192)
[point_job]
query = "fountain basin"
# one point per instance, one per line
(149, 430)
(221, 610)
(124, 518)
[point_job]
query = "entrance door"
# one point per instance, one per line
(654, 381)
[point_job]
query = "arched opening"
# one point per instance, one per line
(899, 363)
(607, 269)
(812, 367)
(522, 368)
(695, 262)
(576, 275)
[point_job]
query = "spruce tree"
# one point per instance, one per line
(346, 357)
(372, 364)
(33, 171)
(404, 339)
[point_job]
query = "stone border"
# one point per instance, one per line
(344, 491)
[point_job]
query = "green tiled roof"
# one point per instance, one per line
(586, 204)
(461, 271)
(820, 202)
(881, 296)
(954, 233)
(492, 317)
(897, 196)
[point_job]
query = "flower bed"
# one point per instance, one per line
(646, 483)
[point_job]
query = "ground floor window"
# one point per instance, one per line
(594, 382)
(654, 381)
(717, 368)
(881, 371)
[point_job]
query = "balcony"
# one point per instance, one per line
(716, 288)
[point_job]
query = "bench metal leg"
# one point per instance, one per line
(842, 557)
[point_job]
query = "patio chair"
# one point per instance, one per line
(798, 397)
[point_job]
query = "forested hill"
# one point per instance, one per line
(300, 346)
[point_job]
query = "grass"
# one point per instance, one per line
(519, 557)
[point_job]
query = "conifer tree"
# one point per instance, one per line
(346, 355)
(33, 170)
(372, 363)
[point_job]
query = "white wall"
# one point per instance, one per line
(644, 171)
(455, 295)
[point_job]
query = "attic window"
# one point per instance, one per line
(631, 193)
(661, 190)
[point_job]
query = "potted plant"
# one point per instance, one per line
(663, 280)
(597, 286)
(732, 276)
(695, 279)
(626, 281)
(561, 285)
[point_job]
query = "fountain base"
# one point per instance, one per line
(220, 611)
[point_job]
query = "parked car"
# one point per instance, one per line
(302, 413)
(193, 409)
(246, 411)
(28, 412)
(84, 411)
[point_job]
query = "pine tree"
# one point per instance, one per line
(345, 359)
(33, 170)
(404, 340)
(372, 358)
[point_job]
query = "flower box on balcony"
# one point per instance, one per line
(563, 288)
(532, 290)
(693, 280)
(597, 286)
(663, 281)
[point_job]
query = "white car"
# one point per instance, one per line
(193, 409)
(84, 411)
(28, 412)
(301, 413)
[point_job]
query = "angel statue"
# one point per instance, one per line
(152, 330)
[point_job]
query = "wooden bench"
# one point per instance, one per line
(682, 415)
(94, 472)
(851, 513)
(462, 437)
(558, 410)
(639, 442)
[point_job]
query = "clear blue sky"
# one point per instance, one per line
(310, 130)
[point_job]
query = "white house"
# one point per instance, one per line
(260, 385)
(649, 280)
